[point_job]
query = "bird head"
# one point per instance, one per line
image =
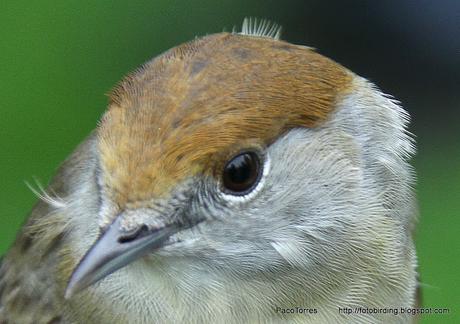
(244, 154)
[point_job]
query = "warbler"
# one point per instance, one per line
(237, 178)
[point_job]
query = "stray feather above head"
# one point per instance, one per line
(261, 28)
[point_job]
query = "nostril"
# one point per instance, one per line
(134, 235)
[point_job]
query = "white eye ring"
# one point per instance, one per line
(232, 199)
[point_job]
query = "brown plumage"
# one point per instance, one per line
(166, 120)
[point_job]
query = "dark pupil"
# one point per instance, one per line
(241, 172)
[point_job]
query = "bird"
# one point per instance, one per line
(235, 178)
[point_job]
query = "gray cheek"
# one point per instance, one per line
(312, 180)
(314, 174)
(310, 189)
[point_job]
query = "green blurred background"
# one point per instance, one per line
(59, 58)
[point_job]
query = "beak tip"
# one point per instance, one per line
(71, 289)
(68, 292)
(76, 284)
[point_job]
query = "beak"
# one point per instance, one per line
(113, 250)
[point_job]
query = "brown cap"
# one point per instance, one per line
(185, 112)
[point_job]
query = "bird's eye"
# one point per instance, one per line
(241, 173)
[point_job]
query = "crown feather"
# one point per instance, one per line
(260, 28)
